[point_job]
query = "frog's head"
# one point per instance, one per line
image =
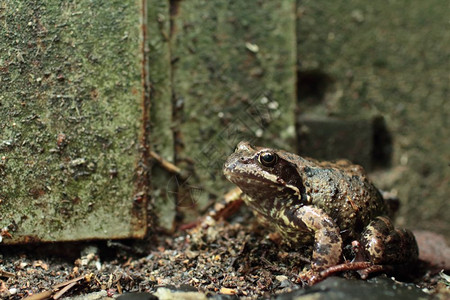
(263, 173)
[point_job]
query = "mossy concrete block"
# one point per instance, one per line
(71, 131)
(233, 79)
(389, 58)
(161, 125)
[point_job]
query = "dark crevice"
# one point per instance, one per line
(174, 8)
(179, 189)
(312, 86)
(382, 144)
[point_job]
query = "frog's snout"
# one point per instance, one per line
(229, 166)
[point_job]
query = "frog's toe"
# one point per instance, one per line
(364, 273)
(364, 269)
(348, 266)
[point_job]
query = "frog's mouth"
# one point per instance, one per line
(237, 172)
(238, 177)
(259, 180)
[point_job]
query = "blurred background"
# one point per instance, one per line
(87, 89)
(329, 79)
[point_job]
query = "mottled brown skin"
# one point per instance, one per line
(322, 204)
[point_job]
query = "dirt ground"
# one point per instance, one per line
(238, 259)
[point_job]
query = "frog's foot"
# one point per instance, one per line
(363, 268)
(309, 277)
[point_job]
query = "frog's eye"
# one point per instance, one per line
(268, 159)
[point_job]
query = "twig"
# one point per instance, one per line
(165, 163)
(64, 286)
(39, 296)
(64, 290)
(6, 274)
(60, 285)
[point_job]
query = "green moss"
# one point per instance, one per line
(71, 106)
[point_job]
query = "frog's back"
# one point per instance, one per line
(344, 192)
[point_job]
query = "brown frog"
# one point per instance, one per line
(322, 204)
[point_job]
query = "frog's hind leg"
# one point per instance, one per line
(382, 244)
(360, 263)
(380, 247)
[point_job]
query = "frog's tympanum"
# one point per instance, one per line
(325, 205)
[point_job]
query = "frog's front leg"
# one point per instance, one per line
(327, 246)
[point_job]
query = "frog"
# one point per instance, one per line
(324, 206)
